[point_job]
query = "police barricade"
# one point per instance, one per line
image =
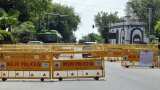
(140, 58)
(62, 48)
(25, 61)
(157, 60)
(25, 47)
(113, 54)
(87, 51)
(158, 65)
(131, 46)
(117, 52)
(78, 68)
(131, 58)
(28, 64)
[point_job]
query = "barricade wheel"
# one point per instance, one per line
(4, 79)
(127, 66)
(152, 66)
(96, 78)
(60, 78)
(159, 46)
(42, 79)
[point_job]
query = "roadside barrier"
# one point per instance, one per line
(80, 68)
(70, 61)
(42, 62)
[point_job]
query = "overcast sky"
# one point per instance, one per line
(87, 9)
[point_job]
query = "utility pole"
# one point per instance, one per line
(149, 21)
(150, 29)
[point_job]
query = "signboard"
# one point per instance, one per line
(146, 58)
(26, 65)
(77, 64)
(133, 57)
(27, 61)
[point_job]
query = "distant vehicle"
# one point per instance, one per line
(51, 36)
(89, 43)
(35, 42)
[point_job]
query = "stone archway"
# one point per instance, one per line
(136, 33)
(137, 38)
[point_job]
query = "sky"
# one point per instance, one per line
(87, 9)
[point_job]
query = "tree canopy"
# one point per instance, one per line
(157, 29)
(20, 15)
(66, 23)
(103, 21)
(140, 9)
(24, 32)
(92, 37)
(6, 37)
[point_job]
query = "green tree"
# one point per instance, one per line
(103, 21)
(7, 20)
(24, 32)
(2, 12)
(38, 10)
(1, 37)
(6, 37)
(140, 9)
(29, 9)
(17, 12)
(19, 5)
(65, 23)
(92, 37)
(157, 29)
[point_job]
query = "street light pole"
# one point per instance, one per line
(151, 32)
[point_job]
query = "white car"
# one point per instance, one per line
(35, 42)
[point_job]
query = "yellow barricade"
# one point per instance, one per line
(25, 61)
(140, 57)
(58, 61)
(80, 68)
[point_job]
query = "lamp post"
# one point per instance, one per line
(150, 29)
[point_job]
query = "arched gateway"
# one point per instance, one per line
(128, 32)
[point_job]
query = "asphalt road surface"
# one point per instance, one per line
(117, 78)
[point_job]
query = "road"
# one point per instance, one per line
(117, 78)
